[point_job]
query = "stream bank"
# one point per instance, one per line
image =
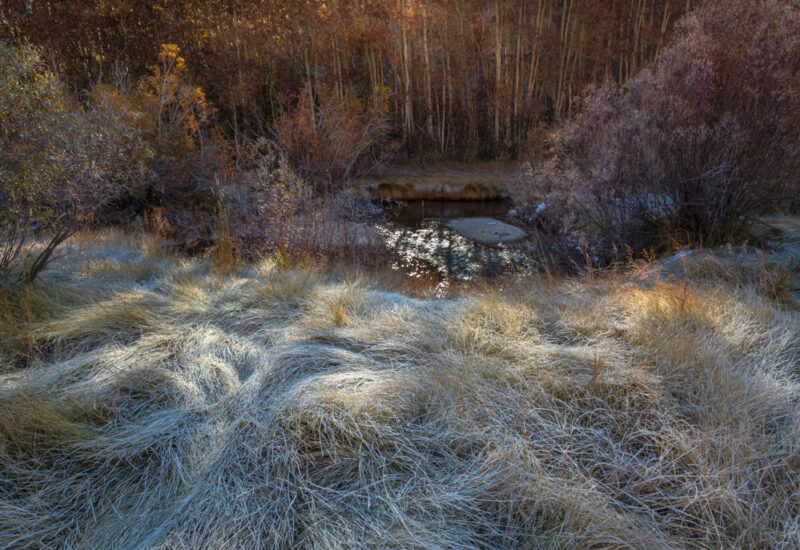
(453, 221)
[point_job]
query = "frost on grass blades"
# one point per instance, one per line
(169, 406)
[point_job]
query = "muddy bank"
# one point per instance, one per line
(473, 182)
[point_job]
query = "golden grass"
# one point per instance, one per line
(168, 403)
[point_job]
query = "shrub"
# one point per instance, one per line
(330, 138)
(176, 109)
(260, 210)
(173, 117)
(59, 162)
(271, 209)
(691, 150)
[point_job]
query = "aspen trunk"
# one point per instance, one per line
(497, 71)
(427, 60)
(408, 100)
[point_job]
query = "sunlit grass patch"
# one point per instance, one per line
(31, 426)
(277, 406)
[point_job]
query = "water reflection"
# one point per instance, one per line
(423, 245)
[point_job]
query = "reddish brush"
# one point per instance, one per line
(332, 141)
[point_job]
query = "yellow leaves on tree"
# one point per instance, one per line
(176, 109)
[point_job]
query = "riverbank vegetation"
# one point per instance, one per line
(205, 340)
(688, 152)
(687, 131)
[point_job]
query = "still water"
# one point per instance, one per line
(424, 246)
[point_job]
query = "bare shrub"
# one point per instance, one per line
(691, 150)
(261, 208)
(272, 209)
(330, 138)
(59, 162)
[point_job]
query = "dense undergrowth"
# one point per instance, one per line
(691, 150)
(157, 403)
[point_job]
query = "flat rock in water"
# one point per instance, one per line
(486, 230)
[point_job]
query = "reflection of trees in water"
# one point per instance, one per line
(414, 213)
(432, 247)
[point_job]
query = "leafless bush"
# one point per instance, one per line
(691, 150)
(330, 138)
(260, 209)
(272, 209)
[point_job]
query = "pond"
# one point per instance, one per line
(423, 245)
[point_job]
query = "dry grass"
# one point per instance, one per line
(169, 406)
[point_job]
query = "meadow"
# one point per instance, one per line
(149, 400)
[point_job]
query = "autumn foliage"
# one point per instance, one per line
(454, 77)
(176, 108)
(683, 134)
